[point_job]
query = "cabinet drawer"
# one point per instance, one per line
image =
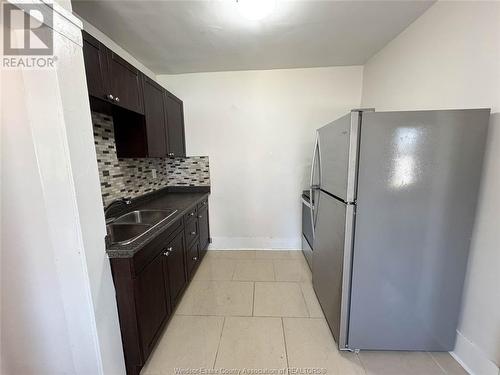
(193, 257)
(203, 204)
(191, 231)
(152, 249)
(191, 214)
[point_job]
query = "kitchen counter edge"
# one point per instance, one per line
(128, 251)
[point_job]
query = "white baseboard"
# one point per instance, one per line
(471, 358)
(255, 243)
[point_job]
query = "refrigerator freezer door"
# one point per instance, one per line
(419, 175)
(338, 151)
(331, 262)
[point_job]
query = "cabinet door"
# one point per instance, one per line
(155, 118)
(94, 57)
(191, 230)
(176, 268)
(175, 126)
(125, 84)
(151, 303)
(204, 228)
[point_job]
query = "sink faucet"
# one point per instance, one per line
(119, 201)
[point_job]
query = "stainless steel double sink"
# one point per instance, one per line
(129, 227)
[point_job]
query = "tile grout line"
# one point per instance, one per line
(437, 363)
(220, 340)
(284, 341)
(254, 316)
(234, 271)
(253, 298)
(363, 366)
(305, 301)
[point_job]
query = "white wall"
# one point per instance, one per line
(47, 320)
(449, 58)
(257, 127)
(58, 309)
(80, 137)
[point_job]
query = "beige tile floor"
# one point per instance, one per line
(257, 310)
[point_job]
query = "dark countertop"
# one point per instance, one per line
(178, 200)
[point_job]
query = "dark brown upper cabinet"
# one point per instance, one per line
(175, 125)
(156, 118)
(111, 78)
(148, 120)
(96, 65)
(159, 133)
(125, 87)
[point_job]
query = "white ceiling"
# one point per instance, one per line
(200, 36)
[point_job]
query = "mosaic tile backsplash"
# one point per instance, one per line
(133, 177)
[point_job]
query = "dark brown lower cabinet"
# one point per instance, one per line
(150, 284)
(176, 267)
(204, 227)
(153, 304)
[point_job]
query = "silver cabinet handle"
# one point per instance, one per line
(306, 203)
(110, 97)
(193, 233)
(195, 258)
(191, 214)
(199, 216)
(313, 187)
(166, 253)
(117, 99)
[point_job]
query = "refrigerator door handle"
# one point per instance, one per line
(305, 202)
(312, 185)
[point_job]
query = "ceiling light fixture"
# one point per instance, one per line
(256, 10)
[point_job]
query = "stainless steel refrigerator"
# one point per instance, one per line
(394, 204)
